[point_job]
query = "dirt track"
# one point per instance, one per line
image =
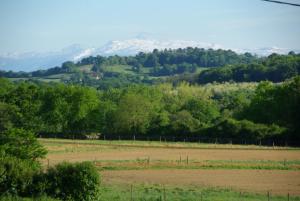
(107, 153)
(277, 182)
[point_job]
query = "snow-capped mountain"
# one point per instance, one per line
(134, 46)
(31, 61)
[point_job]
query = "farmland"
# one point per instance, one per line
(221, 172)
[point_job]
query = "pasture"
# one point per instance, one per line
(186, 171)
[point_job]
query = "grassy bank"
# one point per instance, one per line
(146, 163)
(162, 193)
(160, 144)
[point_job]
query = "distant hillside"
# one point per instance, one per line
(189, 64)
(31, 61)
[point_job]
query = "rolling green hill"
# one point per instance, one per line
(193, 65)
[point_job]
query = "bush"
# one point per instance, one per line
(66, 181)
(16, 175)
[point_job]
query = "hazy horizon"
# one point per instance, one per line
(43, 26)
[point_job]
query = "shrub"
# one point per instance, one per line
(16, 175)
(66, 181)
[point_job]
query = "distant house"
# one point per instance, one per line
(93, 136)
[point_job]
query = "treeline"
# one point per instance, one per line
(275, 68)
(224, 66)
(224, 111)
(170, 62)
(166, 62)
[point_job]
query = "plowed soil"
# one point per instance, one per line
(107, 153)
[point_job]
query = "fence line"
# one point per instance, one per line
(195, 139)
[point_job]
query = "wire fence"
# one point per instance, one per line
(183, 139)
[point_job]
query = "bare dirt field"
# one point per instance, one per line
(278, 182)
(163, 168)
(115, 153)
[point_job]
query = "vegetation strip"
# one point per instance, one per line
(141, 164)
(175, 193)
(169, 145)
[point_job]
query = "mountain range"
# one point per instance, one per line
(31, 61)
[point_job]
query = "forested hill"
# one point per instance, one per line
(275, 68)
(192, 64)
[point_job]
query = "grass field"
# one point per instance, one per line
(186, 171)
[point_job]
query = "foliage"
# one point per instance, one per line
(277, 104)
(66, 181)
(275, 68)
(16, 198)
(16, 175)
(159, 110)
(21, 144)
(244, 130)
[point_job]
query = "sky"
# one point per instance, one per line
(48, 25)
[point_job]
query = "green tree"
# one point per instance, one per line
(204, 111)
(133, 114)
(184, 123)
(21, 144)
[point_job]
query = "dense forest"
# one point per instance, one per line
(248, 112)
(275, 68)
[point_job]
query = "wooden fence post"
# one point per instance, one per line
(131, 193)
(268, 195)
(165, 197)
(48, 162)
(288, 197)
(187, 160)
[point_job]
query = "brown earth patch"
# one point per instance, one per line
(278, 182)
(119, 153)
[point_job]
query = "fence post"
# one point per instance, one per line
(48, 162)
(165, 197)
(268, 195)
(133, 137)
(180, 160)
(288, 196)
(159, 138)
(131, 196)
(187, 160)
